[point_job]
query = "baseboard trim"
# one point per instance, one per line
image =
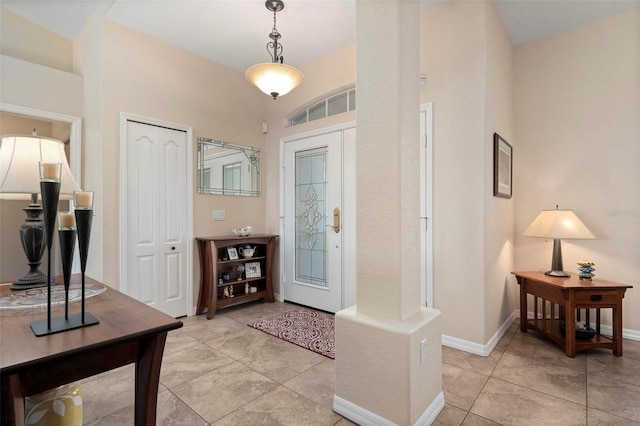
(357, 414)
(477, 348)
(361, 416)
(626, 333)
(485, 350)
(431, 413)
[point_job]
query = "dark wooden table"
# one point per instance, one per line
(129, 332)
(558, 299)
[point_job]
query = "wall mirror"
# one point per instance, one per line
(227, 169)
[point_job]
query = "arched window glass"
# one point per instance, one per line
(337, 103)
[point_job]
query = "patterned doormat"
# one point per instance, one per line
(309, 329)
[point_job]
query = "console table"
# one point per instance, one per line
(565, 296)
(128, 332)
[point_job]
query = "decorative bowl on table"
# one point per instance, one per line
(586, 269)
(583, 331)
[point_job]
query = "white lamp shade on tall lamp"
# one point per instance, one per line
(274, 79)
(562, 224)
(558, 225)
(19, 166)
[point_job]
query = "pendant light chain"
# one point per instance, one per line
(276, 56)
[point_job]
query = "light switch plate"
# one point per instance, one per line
(423, 350)
(218, 215)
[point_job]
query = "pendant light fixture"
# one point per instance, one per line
(274, 78)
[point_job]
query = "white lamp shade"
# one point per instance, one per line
(274, 79)
(558, 224)
(19, 166)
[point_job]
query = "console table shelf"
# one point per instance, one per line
(222, 303)
(221, 284)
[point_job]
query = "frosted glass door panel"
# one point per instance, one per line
(311, 221)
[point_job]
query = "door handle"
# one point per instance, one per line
(336, 220)
(173, 248)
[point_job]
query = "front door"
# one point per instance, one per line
(313, 219)
(156, 217)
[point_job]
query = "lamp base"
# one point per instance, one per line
(556, 261)
(562, 274)
(33, 243)
(35, 279)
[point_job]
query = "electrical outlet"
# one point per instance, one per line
(423, 350)
(218, 215)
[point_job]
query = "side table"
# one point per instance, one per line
(564, 296)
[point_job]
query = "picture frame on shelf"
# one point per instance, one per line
(502, 167)
(233, 253)
(252, 270)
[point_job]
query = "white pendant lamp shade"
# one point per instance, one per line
(20, 171)
(273, 78)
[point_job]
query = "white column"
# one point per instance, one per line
(381, 375)
(388, 158)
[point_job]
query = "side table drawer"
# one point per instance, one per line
(596, 297)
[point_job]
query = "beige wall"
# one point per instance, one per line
(143, 76)
(464, 53)
(577, 118)
(22, 39)
(500, 290)
(40, 87)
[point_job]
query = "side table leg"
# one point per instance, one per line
(523, 306)
(148, 378)
(570, 326)
(617, 328)
(12, 401)
(213, 301)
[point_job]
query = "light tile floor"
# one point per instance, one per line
(222, 372)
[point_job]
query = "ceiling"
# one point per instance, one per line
(235, 32)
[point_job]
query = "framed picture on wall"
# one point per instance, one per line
(502, 167)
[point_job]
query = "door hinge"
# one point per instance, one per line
(426, 222)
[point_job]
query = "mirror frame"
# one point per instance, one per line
(251, 154)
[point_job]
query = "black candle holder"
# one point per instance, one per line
(50, 191)
(67, 238)
(84, 217)
(50, 188)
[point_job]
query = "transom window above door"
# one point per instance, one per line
(336, 103)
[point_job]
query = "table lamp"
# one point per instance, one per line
(20, 180)
(558, 224)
